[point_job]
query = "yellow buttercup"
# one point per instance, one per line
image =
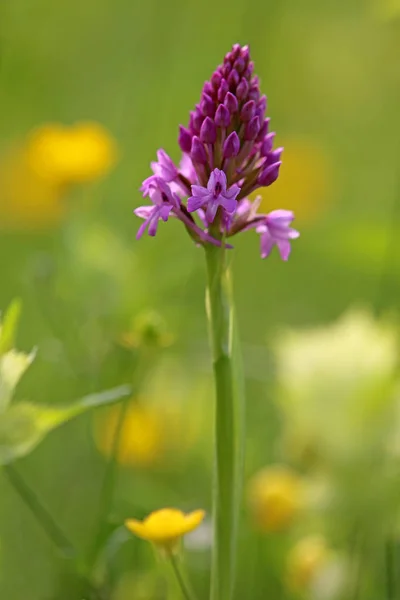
(165, 527)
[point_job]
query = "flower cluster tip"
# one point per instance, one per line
(228, 154)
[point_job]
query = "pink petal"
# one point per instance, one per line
(153, 224)
(141, 230)
(293, 234)
(217, 176)
(164, 211)
(211, 182)
(198, 190)
(267, 243)
(232, 192)
(280, 218)
(211, 211)
(194, 203)
(284, 248)
(229, 205)
(144, 212)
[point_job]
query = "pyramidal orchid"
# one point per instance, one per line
(227, 155)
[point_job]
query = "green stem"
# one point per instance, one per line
(391, 568)
(228, 424)
(108, 485)
(41, 513)
(111, 471)
(186, 593)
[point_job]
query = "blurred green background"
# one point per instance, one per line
(331, 74)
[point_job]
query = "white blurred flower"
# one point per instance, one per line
(314, 568)
(329, 581)
(336, 384)
(201, 538)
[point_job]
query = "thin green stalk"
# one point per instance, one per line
(186, 593)
(392, 569)
(42, 515)
(108, 485)
(111, 471)
(229, 432)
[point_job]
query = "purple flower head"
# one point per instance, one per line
(228, 153)
(164, 201)
(231, 102)
(213, 196)
(276, 230)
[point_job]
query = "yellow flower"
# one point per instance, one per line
(35, 175)
(305, 561)
(274, 498)
(68, 155)
(304, 183)
(26, 200)
(141, 442)
(165, 527)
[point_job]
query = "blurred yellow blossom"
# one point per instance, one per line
(275, 497)
(305, 560)
(304, 184)
(26, 200)
(142, 436)
(35, 175)
(165, 527)
(164, 424)
(68, 155)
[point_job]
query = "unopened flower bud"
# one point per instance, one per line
(252, 129)
(248, 111)
(231, 102)
(216, 79)
(233, 78)
(267, 145)
(242, 89)
(223, 90)
(184, 139)
(273, 157)
(231, 145)
(222, 116)
(198, 153)
(208, 131)
(207, 88)
(254, 94)
(239, 65)
(207, 106)
(263, 130)
(269, 175)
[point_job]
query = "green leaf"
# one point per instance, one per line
(9, 326)
(13, 365)
(24, 425)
